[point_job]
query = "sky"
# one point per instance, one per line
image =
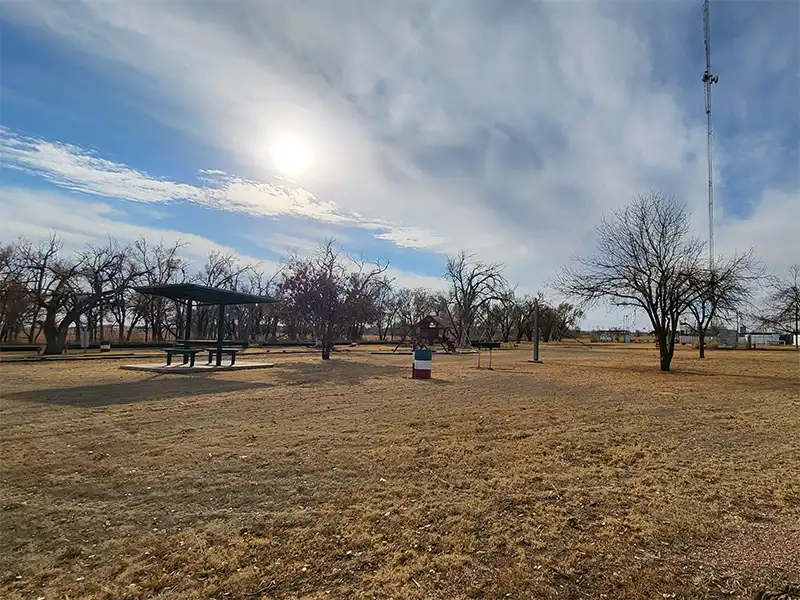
(403, 130)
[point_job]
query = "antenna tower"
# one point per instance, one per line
(708, 80)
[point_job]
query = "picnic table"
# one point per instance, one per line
(191, 348)
(186, 352)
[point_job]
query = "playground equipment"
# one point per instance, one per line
(428, 332)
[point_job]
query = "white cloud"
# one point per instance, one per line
(409, 279)
(37, 214)
(772, 229)
(77, 170)
(410, 237)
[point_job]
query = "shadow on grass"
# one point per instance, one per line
(339, 371)
(158, 387)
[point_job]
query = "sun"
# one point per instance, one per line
(291, 155)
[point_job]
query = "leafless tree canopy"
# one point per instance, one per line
(646, 258)
(334, 293)
(782, 307)
(472, 285)
(722, 290)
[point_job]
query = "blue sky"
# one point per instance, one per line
(506, 128)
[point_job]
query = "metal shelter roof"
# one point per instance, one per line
(202, 294)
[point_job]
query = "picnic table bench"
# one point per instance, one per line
(186, 352)
(210, 346)
(212, 352)
(21, 348)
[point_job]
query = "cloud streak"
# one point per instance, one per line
(37, 214)
(72, 168)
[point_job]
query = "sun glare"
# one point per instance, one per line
(291, 155)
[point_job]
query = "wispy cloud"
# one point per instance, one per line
(36, 214)
(75, 169)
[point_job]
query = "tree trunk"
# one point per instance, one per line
(53, 334)
(664, 349)
(702, 338)
(327, 340)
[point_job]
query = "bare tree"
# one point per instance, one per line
(161, 264)
(225, 271)
(472, 285)
(15, 304)
(257, 321)
(556, 321)
(386, 306)
(362, 287)
(524, 317)
(721, 290)
(66, 287)
(499, 315)
(414, 304)
(646, 258)
(782, 309)
(330, 290)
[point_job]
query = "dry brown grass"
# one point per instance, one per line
(589, 476)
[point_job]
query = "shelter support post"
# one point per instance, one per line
(536, 334)
(220, 333)
(187, 325)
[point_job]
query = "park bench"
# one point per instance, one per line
(18, 348)
(186, 352)
(212, 352)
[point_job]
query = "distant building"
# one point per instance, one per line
(756, 338)
(719, 337)
(611, 335)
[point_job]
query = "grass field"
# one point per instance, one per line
(592, 475)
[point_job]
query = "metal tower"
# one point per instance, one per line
(708, 80)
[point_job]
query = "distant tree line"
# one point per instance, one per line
(326, 297)
(646, 258)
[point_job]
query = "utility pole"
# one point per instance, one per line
(708, 80)
(536, 333)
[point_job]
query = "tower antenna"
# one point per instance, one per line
(708, 80)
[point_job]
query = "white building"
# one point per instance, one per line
(764, 339)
